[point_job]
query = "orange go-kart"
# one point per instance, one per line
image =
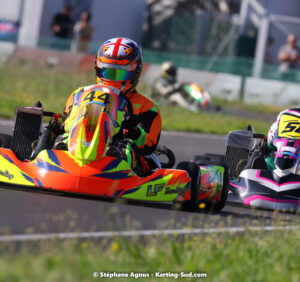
(84, 167)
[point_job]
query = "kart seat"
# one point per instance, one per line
(27, 127)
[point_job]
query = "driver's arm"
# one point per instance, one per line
(165, 88)
(147, 130)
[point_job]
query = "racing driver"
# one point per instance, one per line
(118, 65)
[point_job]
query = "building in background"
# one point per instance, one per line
(190, 26)
(10, 14)
(215, 35)
(109, 18)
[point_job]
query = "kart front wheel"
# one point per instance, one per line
(165, 151)
(5, 140)
(194, 173)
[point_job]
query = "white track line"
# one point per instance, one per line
(82, 235)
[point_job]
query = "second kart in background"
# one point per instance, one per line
(167, 90)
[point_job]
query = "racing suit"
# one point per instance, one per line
(139, 133)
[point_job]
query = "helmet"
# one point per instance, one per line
(169, 71)
(119, 64)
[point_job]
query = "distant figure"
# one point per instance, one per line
(82, 33)
(62, 23)
(288, 55)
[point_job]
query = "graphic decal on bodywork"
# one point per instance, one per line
(116, 175)
(159, 189)
(53, 157)
(112, 165)
(27, 177)
(7, 174)
(49, 167)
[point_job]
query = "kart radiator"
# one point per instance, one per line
(26, 130)
(238, 146)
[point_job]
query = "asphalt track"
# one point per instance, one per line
(36, 214)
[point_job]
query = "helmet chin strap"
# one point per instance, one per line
(121, 86)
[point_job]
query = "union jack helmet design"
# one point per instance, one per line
(119, 63)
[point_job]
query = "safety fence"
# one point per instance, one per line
(241, 66)
(233, 65)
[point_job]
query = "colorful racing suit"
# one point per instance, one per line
(141, 129)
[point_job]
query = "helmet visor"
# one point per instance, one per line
(115, 74)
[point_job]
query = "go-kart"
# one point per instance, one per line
(252, 183)
(195, 97)
(198, 97)
(84, 167)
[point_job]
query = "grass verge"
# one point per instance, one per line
(175, 118)
(253, 256)
(26, 84)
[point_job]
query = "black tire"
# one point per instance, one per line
(194, 173)
(258, 135)
(240, 166)
(163, 150)
(5, 140)
(215, 157)
(216, 207)
(199, 158)
(208, 158)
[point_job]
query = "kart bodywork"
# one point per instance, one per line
(266, 189)
(86, 169)
(108, 176)
(251, 183)
(197, 95)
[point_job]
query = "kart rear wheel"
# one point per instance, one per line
(208, 158)
(194, 173)
(199, 158)
(216, 157)
(5, 140)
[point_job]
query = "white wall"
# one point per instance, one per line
(10, 10)
(257, 91)
(31, 20)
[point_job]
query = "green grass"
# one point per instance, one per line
(26, 84)
(258, 108)
(175, 118)
(253, 256)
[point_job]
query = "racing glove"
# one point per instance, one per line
(125, 149)
(131, 129)
(134, 133)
